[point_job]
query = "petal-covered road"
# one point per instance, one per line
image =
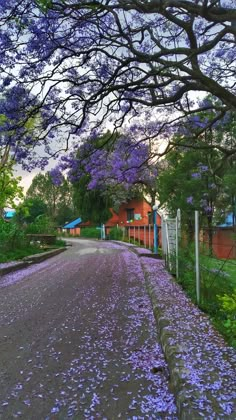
(78, 339)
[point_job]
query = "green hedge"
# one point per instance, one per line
(90, 232)
(116, 233)
(11, 236)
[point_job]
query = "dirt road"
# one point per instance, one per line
(78, 339)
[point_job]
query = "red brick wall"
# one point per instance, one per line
(140, 207)
(224, 243)
(136, 227)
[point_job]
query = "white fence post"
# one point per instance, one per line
(139, 235)
(149, 236)
(134, 234)
(197, 255)
(177, 248)
(129, 233)
(163, 238)
(178, 221)
(144, 236)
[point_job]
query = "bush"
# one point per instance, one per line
(60, 243)
(116, 233)
(217, 298)
(90, 232)
(11, 236)
(41, 225)
(228, 309)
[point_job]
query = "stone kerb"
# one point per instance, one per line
(26, 261)
(202, 367)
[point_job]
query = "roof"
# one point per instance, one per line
(228, 221)
(8, 214)
(73, 224)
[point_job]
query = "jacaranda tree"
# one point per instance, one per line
(116, 165)
(132, 61)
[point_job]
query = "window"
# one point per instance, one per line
(130, 214)
(150, 217)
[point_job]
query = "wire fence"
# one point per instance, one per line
(203, 261)
(204, 276)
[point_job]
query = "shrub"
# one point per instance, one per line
(228, 308)
(217, 297)
(42, 224)
(90, 232)
(60, 243)
(11, 236)
(116, 233)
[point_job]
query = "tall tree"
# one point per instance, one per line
(17, 141)
(92, 205)
(10, 189)
(117, 165)
(58, 198)
(106, 171)
(28, 210)
(92, 61)
(198, 173)
(21, 120)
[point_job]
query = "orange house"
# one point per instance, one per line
(136, 217)
(136, 212)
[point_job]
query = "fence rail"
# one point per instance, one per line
(140, 234)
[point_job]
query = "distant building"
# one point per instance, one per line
(229, 221)
(74, 227)
(9, 214)
(136, 213)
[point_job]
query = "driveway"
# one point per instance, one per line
(78, 339)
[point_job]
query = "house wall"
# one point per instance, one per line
(141, 234)
(140, 230)
(140, 207)
(114, 219)
(224, 243)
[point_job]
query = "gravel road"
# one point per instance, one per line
(78, 339)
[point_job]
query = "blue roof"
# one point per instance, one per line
(228, 221)
(8, 214)
(73, 224)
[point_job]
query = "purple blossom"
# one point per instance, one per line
(87, 75)
(127, 163)
(196, 175)
(203, 168)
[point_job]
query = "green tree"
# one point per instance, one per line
(192, 180)
(58, 198)
(10, 189)
(198, 173)
(30, 209)
(110, 169)
(92, 205)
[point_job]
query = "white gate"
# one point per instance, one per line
(170, 228)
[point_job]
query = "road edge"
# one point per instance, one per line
(31, 259)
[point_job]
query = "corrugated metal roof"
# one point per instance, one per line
(73, 224)
(9, 214)
(228, 221)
